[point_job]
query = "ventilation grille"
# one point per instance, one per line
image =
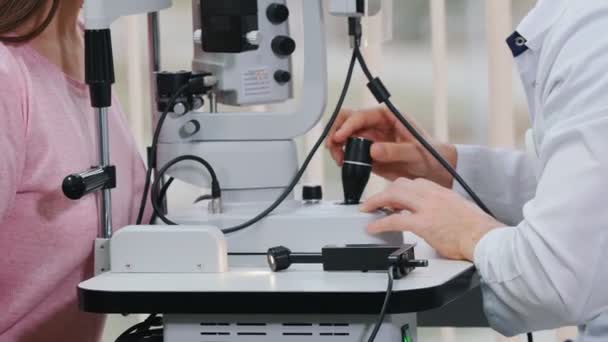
(243, 330)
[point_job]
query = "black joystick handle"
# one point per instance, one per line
(356, 169)
(78, 185)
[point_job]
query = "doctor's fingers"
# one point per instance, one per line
(387, 152)
(335, 148)
(401, 222)
(376, 118)
(394, 197)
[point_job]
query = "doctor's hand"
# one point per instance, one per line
(450, 224)
(395, 152)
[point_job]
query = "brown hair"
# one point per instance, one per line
(16, 13)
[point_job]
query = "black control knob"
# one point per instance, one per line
(283, 46)
(78, 185)
(282, 76)
(278, 258)
(356, 169)
(312, 193)
(277, 13)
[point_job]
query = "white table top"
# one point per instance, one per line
(299, 278)
(303, 289)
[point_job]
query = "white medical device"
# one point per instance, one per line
(242, 58)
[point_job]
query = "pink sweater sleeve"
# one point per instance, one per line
(12, 130)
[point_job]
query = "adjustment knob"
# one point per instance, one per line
(312, 193)
(277, 13)
(283, 46)
(282, 76)
(356, 169)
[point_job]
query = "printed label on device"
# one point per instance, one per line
(256, 82)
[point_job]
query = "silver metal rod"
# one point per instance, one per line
(212, 102)
(104, 159)
(155, 66)
(154, 41)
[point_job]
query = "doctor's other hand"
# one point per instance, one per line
(449, 223)
(395, 152)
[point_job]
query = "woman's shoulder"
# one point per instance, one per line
(13, 85)
(11, 65)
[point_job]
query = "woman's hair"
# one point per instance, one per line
(15, 13)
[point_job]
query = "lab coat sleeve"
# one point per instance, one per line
(504, 180)
(12, 133)
(552, 270)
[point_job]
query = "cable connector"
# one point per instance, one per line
(355, 31)
(215, 206)
(379, 90)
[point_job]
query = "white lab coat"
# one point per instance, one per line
(550, 268)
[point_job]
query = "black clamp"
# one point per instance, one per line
(169, 84)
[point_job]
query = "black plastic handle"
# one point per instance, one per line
(76, 186)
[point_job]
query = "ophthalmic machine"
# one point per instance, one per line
(251, 261)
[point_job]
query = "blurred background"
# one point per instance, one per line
(444, 61)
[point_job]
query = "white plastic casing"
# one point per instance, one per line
(163, 249)
(247, 78)
(348, 8)
(99, 14)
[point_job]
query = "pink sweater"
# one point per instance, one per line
(47, 131)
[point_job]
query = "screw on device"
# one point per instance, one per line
(356, 169)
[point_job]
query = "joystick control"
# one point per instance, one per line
(356, 169)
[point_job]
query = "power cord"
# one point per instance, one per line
(383, 97)
(387, 298)
(153, 148)
(300, 173)
(144, 331)
(161, 197)
(156, 192)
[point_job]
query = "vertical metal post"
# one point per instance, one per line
(104, 159)
(212, 102)
(155, 66)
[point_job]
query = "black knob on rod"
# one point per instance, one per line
(76, 186)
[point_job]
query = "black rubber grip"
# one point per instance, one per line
(99, 66)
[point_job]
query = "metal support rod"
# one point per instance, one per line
(212, 102)
(155, 66)
(104, 159)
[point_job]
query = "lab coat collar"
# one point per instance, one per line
(540, 20)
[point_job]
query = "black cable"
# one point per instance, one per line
(215, 187)
(144, 197)
(153, 148)
(387, 298)
(142, 330)
(308, 159)
(161, 197)
(427, 146)
(285, 193)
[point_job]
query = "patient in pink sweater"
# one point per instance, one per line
(47, 131)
